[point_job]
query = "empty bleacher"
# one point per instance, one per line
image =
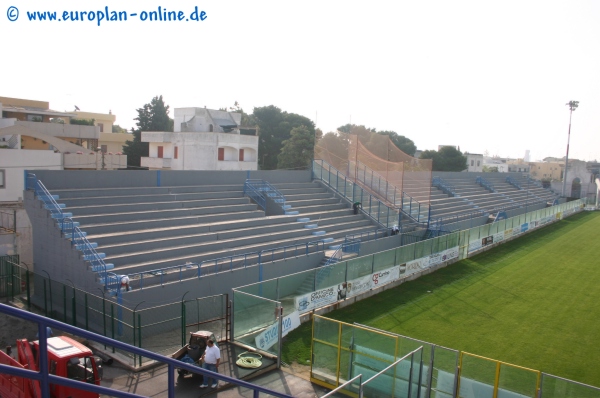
(146, 229)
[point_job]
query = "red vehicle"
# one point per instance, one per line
(66, 358)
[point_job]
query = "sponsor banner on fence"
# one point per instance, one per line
(488, 240)
(475, 245)
(429, 261)
(416, 265)
(269, 336)
(508, 233)
(320, 298)
(516, 230)
(359, 285)
(386, 276)
(524, 227)
(450, 254)
(499, 237)
(435, 259)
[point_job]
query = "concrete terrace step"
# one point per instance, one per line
(144, 266)
(141, 206)
(134, 192)
(121, 254)
(164, 197)
(237, 228)
(154, 214)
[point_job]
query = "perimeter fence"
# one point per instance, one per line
(310, 290)
(342, 352)
(162, 329)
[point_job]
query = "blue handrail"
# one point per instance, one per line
(259, 190)
(255, 194)
(444, 185)
(485, 184)
(372, 207)
(45, 378)
(69, 230)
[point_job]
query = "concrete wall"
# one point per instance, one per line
(15, 161)
(63, 130)
(95, 161)
(65, 179)
(51, 252)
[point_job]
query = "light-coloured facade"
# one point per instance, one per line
(204, 139)
(499, 163)
(549, 171)
(474, 162)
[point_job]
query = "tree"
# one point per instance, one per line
(151, 117)
(406, 145)
(118, 129)
(446, 159)
(297, 151)
(247, 120)
(490, 169)
(274, 127)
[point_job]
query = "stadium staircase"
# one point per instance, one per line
(135, 231)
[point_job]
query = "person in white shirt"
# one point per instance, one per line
(210, 361)
(125, 283)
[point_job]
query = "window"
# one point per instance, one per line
(210, 129)
(160, 152)
(34, 118)
(221, 154)
(241, 155)
(478, 163)
(472, 162)
(101, 125)
(2, 180)
(175, 152)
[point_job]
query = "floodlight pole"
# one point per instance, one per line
(572, 106)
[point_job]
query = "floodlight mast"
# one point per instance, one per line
(572, 106)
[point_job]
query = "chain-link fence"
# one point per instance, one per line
(162, 329)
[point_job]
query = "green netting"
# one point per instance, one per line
(556, 387)
(477, 377)
(325, 363)
(383, 260)
(444, 368)
(360, 266)
(405, 254)
(251, 315)
(518, 381)
(331, 275)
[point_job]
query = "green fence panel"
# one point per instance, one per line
(384, 260)
(557, 387)
(359, 266)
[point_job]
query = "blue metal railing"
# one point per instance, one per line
(376, 183)
(71, 231)
(444, 185)
(259, 190)
(371, 206)
(513, 182)
(255, 194)
(485, 184)
(418, 212)
(46, 379)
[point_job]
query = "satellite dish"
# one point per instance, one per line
(76, 108)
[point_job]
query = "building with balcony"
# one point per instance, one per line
(203, 139)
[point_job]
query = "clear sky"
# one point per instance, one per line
(485, 75)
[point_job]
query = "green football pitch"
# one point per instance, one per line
(533, 302)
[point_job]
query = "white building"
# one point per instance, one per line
(204, 139)
(474, 162)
